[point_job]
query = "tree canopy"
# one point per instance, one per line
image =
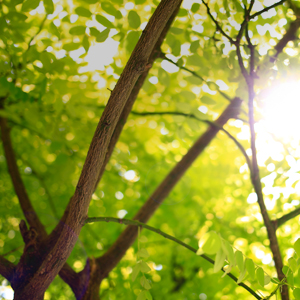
(150, 149)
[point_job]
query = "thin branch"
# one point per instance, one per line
(239, 145)
(266, 9)
(27, 208)
(6, 268)
(280, 221)
(219, 28)
(163, 56)
(169, 237)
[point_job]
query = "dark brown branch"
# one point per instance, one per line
(134, 93)
(219, 28)
(239, 145)
(125, 240)
(290, 35)
(266, 9)
(64, 237)
(6, 268)
(18, 184)
(280, 221)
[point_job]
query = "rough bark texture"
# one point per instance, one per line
(60, 246)
(110, 259)
(87, 288)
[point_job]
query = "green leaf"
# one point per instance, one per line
(193, 80)
(239, 258)
(135, 271)
(29, 5)
(103, 35)
(83, 12)
(219, 261)
(267, 279)
(183, 106)
(86, 43)
(94, 31)
(163, 77)
(260, 276)
(143, 239)
(242, 276)
(187, 95)
(134, 19)
(296, 293)
(142, 296)
(144, 267)
(195, 7)
(148, 295)
(77, 30)
(145, 283)
(293, 264)
(49, 6)
(250, 267)
(210, 243)
(103, 21)
(194, 46)
(297, 247)
(142, 253)
(207, 100)
(176, 30)
(131, 40)
(110, 9)
(227, 248)
(193, 124)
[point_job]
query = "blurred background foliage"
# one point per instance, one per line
(59, 61)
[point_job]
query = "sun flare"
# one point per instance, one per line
(281, 109)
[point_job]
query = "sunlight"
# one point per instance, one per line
(281, 110)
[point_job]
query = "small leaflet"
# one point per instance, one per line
(135, 271)
(297, 247)
(260, 276)
(144, 267)
(250, 267)
(242, 276)
(219, 262)
(293, 264)
(296, 294)
(210, 243)
(239, 258)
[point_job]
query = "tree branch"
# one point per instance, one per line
(114, 254)
(219, 28)
(163, 56)
(280, 221)
(6, 268)
(62, 241)
(266, 9)
(18, 184)
(169, 237)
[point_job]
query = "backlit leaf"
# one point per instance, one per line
(134, 19)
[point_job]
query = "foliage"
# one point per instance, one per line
(59, 64)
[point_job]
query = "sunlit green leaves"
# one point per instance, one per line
(210, 243)
(103, 21)
(111, 10)
(77, 30)
(134, 19)
(49, 6)
(297, 247)
(30, 5)
(103, 35)
(83, 12)
(260, 276)
(250, 267)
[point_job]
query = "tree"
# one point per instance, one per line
(187, 81)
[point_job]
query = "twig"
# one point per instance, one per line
(169, 237)
(219, 28)
(163, 56)
(266, 9)
(6, 268)
(280, 221)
